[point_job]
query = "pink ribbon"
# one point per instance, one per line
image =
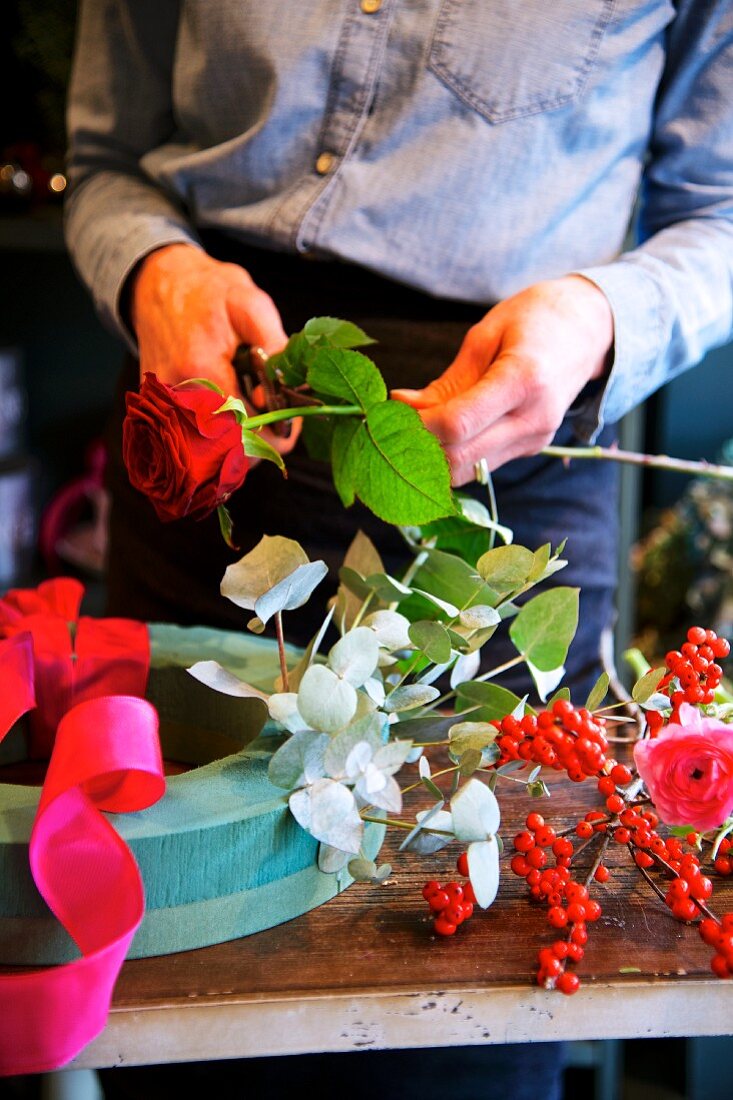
(106, 757)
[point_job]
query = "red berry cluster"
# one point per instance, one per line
(564, 738)
(452, 903)
(569, 904)
(719, 934)
(724, 860)
(693, 673)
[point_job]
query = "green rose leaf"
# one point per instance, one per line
(226, 526)
(257, 447)
(327, 810)
(347, 444)
(291, 364)
(317, 436)
(432, 639)
(402, 474)
(545, 627)
(337, 333)
(336, 372)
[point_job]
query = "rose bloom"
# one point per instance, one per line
(688, 770)
(185, 459)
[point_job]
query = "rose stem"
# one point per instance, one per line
(281, 650)
(274, 415)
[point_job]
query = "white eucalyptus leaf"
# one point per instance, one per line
(389, 758)
(546, 682)
(362, 870)
(415, 754)
(477, 513)
(327, 810)
(292, 591)
(331, 860)
(409, 697)
(465, 668)
(365, 706)
(450, 609)
(483, 870)
(424, 768)
(425, 843)
(272, 559)
(375, 690)
(388, 796)
(215, 676)
(299, 761)
(435, 672)
(256, 625)
(521, 709)
(283, 708)
(358, 759)
(367, 731)
(325, 701)
(390, 628)
(479, 616)
(383, 872)
(475, 811)
(354, 657)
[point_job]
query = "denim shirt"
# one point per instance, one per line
(467, 148)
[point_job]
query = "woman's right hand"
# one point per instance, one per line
(190, 313)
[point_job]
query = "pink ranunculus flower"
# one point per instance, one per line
(688, 770)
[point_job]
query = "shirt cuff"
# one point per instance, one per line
(638, 368)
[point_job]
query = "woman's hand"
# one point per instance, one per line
(190, 313)
(517, 373)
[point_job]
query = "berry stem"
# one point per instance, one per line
(635, 458)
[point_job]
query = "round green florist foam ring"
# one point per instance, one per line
(221, 856)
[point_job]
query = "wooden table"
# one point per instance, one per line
(365, 972)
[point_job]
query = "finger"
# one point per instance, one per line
(499, 391)
(514, 436)
(255, 318)
(480, 345)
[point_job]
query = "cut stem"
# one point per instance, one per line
(635, 458)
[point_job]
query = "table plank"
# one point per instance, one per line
(366, 971)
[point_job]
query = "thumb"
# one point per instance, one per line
(255, 318)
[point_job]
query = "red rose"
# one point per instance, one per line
(186, 459)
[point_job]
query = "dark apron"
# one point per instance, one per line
(171, 572)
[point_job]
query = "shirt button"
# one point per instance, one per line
(370, 6)
(324, 164)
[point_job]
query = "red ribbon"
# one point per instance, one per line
(85, 679)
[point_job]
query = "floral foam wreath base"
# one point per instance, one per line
(221, 855)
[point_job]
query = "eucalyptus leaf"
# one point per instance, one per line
(506, 568)
(424, 768)
(295, 675)
(299, 761)
(409, 697)
(272, 560)
(431, 728)
(647, 685)
(434, 790)
(325, 701)
(657, 701)
(471, 735)
(383, 872)
(465, 667)
(221, 679)
(445, 606)
(362, 558)
(432, 639)
(387, 588)
(362, 870)
(327, 810)
(545, 627)
(483, 870)
(425, 843)
(475, 812)
(368, 730)
(256, 625)
(539, 563)
(545, 681)
(479, 617)
(283, 708)
(469, 761)
(447, 577)
(374, 687)
(292, 591)
(561, 693)
(434, 672)
(354, 657)
(331, 860)
(389, 758)
(390, 629)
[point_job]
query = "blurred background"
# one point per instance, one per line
(58, 368)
